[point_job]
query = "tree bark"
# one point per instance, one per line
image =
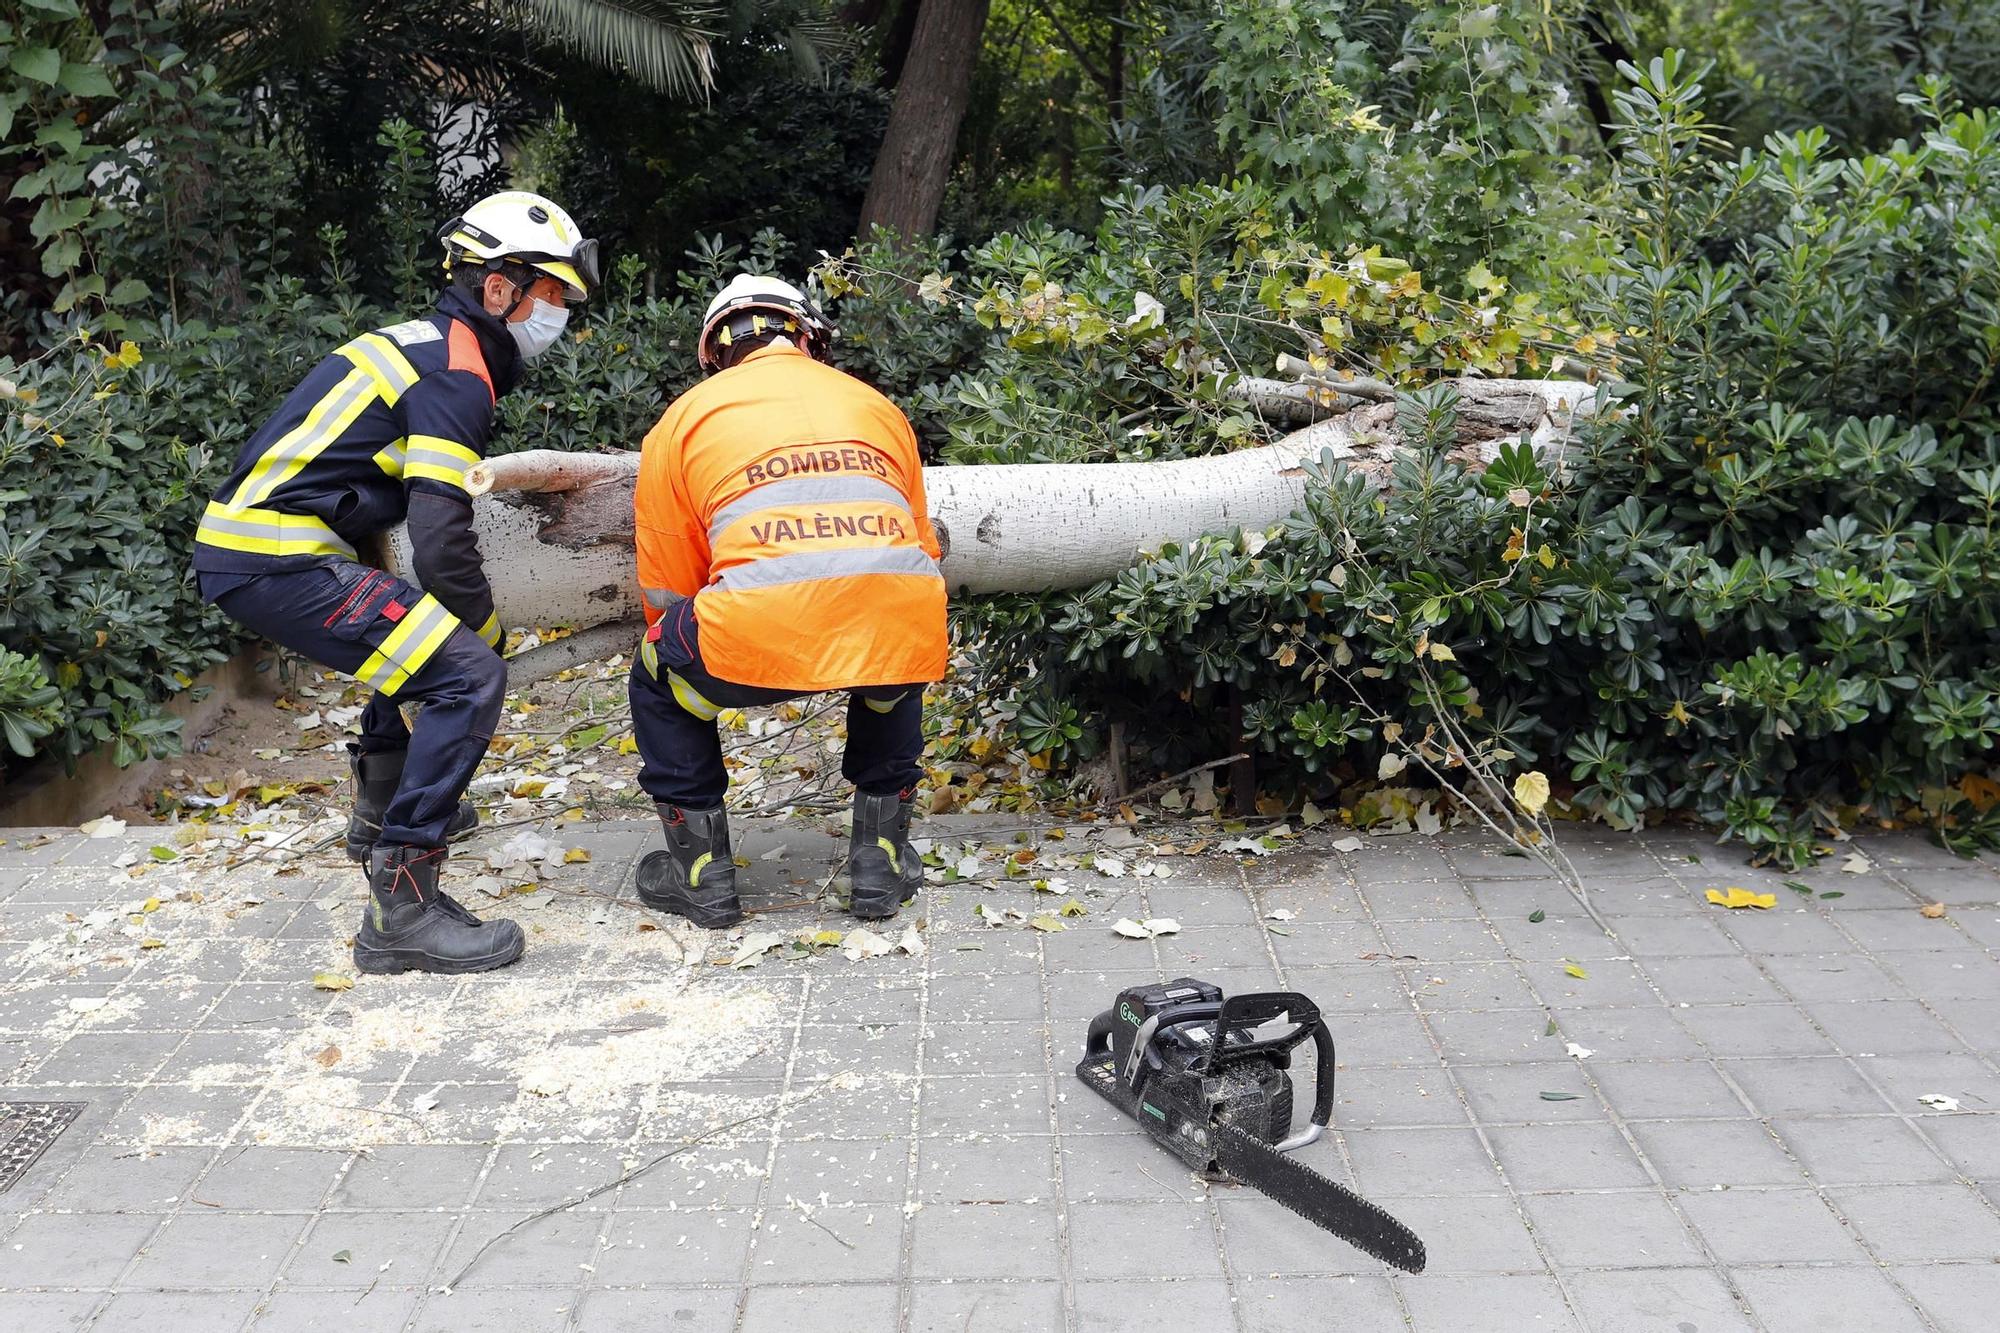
(556, 528)
(914, 163)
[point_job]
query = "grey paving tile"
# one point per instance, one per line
(111, 1182)
(1673, 937)
(1906, 1078)
(841, 1171)
(205, 1249)
(107, 1057)
(1512, 1094)
(855, 1242)
(415, 1176)
(997, 1048)
(541, 1252)
(528, 1176)
(1712, 979)
(1864, 1150)
(984, 1241)
(1018, 1104)
(1971, 1141)
(1418, 1161)
(1566, 1157)
(148, 1311)
(1560, 935)
(1749, 1226)
(53, 1311)
(827, 1049)
(1458, 987)
(1665, 1088)
(1180, 1241)
(1286, 1305)
(408, 1242)
(1420, 901)
(1944, 976)
(1753, 1030)
(984, 1307)
(1611, 981)
(985, 1168)
(1972, 883)
(1881, 1027)
(684, 1247)
(1704, 1154)
(1804, 1087)
(1909, 1223)
(1473, 1233)
(282, 1179)
(76, 1250)
(1622, 1230)
(787, 1309)
(1669, 1300)
(1510, 1036)
(1827, 1300)
(1142, 1307)
(1385, 1039)
(1959, 1298)
(1386, 1096)
(1117, 1168)
(497, 1311)
(1785, 930)
(1442, 941)
(1349, 987)
(1629, 1034)
(1507, 1304)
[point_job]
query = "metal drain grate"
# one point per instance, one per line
(26, 1131)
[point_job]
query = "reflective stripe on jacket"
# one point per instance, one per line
(790, 496)
(382, 430)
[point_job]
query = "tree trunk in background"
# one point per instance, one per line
(914, 162)
(556, 528)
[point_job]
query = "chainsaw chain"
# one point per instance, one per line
(1325, 1203)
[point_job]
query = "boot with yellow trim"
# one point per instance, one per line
(411, 925)
(696, 876)
(376, 777)
(884, 869)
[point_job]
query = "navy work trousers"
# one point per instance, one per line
(345, 615)
(675, 700)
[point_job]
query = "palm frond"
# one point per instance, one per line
(665, 44)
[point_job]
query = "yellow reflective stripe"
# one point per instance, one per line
(689, 698)
(267, 532)
(382, 361)
(810, 566)
(390, 458)
(700, 864)
(418, 635)
(649, 654)
(490, 631)
(329, 417)
(435, 459)
(884, 705)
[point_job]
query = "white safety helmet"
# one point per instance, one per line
(517, 227)
(752, 307)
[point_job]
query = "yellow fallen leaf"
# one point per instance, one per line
(152, 944)
(151, 905)
(1932, 910)
(628, 744)
(1531, 792)
(1736, 897)
(332, 981)
(575, 856)
(530, 787)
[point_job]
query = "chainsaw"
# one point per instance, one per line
(1192, 1068)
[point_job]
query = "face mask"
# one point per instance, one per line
(539, 331)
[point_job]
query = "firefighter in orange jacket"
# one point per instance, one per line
(784, 549)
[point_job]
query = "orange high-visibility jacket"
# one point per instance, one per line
(790, 496)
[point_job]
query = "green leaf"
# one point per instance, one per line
(129, 290)
(347, 1256)
(1834, 893)
(1536, 917)
(164, 853)
(1550, 1030)
(1797, 887)
(1560, 1096)
(67, 9)
(85, 80)
(36, 62)
(586, 738)
(63, 134)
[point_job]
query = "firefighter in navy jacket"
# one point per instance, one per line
(382, 430)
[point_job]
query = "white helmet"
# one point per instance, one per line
(524, 228)
(750, 307)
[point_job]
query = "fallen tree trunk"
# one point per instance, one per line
(556, 528)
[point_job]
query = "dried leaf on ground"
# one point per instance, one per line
(1854, 863)
(332, 981)
(1047, 922)
(1348, 845)
(862, 942)
(755, 946)
(1932, 910)
(1740, 897)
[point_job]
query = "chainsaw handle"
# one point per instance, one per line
(1322, 1112)
(1248, 1011)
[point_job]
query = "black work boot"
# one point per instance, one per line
(884, 869)
(695, 877)
(376, 777)
(411, 925)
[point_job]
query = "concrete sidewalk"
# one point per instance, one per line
(1744, 1145)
